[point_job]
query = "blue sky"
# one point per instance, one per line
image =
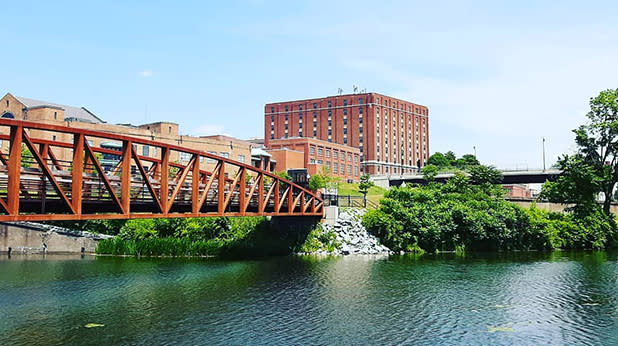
(496, 75)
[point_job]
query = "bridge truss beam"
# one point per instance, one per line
(68, 178)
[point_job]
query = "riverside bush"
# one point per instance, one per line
(458, 215)
(183, 237)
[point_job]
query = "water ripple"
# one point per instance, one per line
(523, 299)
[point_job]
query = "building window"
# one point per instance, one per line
(329, 104)
(335, 155)
(356, 171)
(145, 150)
(311, 160)
(300, 107)
(335, 167)
(330, 113)
(212, 160)
(184, 157)
(355, 158)
(342, 170)
(312, 150)
(320, 162)
(7, 103)
(345, 141)
(315, 133)
(272, 110)
(53, 137)
(286, 117)
(55, 115)
(345, 111)
(315, 106)
(224, 154)
(286, 108)
(241, 158)
(320, 152)
(350, 157)
(360, 101)
(327, 153)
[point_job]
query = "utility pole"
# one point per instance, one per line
(543, 154)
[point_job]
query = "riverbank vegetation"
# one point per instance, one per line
(462, 216)
(238, 237)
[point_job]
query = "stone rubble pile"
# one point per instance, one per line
(353, 237)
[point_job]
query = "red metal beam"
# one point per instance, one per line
(78, 168)
(146, 177)
(103, 177)
(160, 168)
(14, 170)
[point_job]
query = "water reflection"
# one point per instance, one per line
(521, 298)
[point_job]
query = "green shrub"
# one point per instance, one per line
(458, 215)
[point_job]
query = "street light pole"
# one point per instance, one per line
(543, 154)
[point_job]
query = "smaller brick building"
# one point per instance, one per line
(341, 160)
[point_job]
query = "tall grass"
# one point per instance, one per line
(160, 247)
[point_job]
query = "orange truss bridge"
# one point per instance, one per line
(68, 178)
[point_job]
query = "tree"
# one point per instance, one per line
(26, 157)
(450, 158)
(429, 172)
(485, 175)
(578, 185)
(596, 161)
(438, 159)
(322, 180)
(469, 160)
(316, 182)
(365, 184)
(283, 175)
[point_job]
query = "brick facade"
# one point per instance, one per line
(165, 132)
(342, 161)
(392, 134)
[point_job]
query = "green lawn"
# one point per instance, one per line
(374, 195)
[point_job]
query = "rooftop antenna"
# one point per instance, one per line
(355, 88)
(339, 91)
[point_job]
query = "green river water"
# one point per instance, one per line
(499, 299)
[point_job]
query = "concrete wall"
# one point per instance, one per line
(27, 239)
(555, 206)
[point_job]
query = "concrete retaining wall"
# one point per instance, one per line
(555, 206)
(35, 238)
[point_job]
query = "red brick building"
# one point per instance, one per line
(341, 160)
(391, 134)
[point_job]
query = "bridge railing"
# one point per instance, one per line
(55, 172)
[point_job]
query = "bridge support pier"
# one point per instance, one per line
(294, 224)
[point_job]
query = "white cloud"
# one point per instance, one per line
(146, 73)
